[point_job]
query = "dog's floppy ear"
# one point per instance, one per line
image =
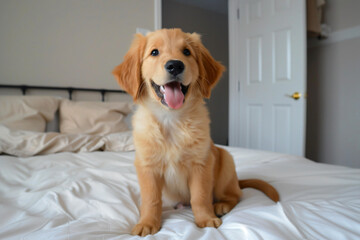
(210, 70)
(128, 73)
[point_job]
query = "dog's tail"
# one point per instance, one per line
(262, 186)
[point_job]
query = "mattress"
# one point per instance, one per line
(95, 195)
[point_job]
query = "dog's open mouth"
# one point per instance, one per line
(171, 94)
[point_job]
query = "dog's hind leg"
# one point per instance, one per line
(227, 192)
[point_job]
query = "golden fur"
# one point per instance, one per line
(175, 155)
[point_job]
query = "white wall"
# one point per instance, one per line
(68, 42)
(333, 117)
(342, 14)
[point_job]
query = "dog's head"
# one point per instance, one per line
(167, 65)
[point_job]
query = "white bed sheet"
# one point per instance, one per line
(96, 196)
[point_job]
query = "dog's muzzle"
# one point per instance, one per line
(171, 94)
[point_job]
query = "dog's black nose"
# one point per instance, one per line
(174, 67)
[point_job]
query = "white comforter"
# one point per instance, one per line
(96, 196)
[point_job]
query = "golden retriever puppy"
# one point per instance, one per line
(169, 73)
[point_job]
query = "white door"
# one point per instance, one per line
(267, 68)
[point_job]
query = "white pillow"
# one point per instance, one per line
(96, 118)
(27, 112)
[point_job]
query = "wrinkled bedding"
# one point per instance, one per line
(96, 196)
(28, 143)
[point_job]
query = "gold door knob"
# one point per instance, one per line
(296, 95)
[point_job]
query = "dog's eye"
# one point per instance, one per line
(154, 52)
(186, 52)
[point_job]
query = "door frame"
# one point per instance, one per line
(157, 14)
(234, 81)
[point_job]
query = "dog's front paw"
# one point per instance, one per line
(143, 229)
(211, 222)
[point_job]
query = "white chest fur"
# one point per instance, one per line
(171, 141)
(176, 184)
(175, 176)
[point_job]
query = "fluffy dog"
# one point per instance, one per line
(169, 73)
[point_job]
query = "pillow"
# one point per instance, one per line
(27, 112)
(26, 143)
(96, 118)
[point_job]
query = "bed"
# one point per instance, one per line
(83, 185)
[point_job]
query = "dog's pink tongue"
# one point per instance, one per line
(174, 97)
